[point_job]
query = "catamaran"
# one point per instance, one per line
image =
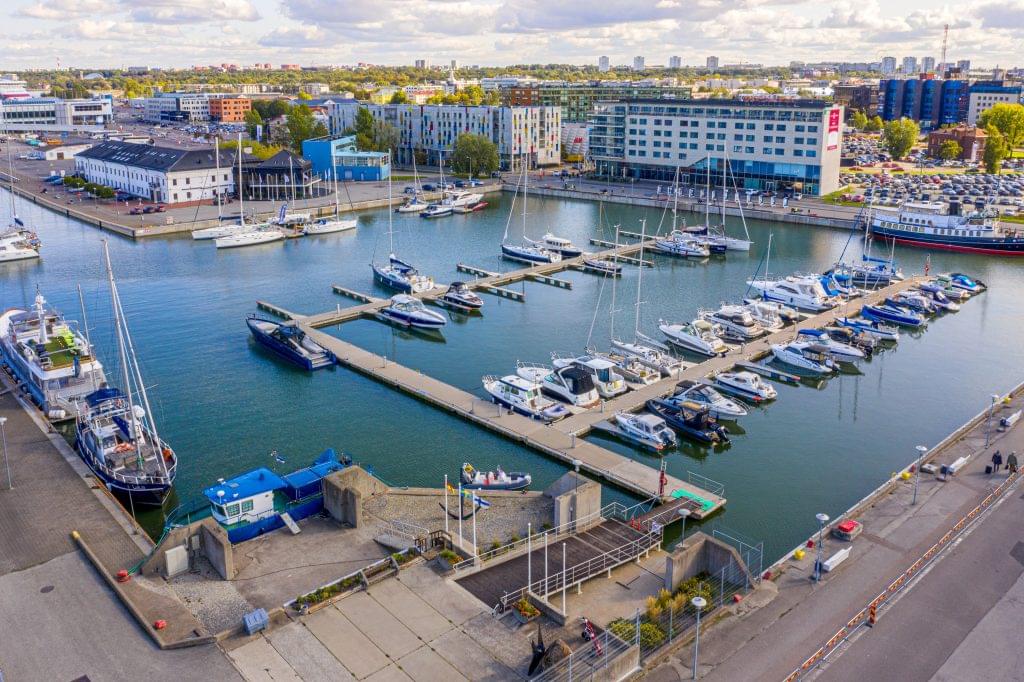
(50, 357)
(115, 435)
(397, 274)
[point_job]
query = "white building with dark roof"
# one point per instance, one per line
(50, 114)
(159, 174)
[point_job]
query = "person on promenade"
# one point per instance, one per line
(997, 461)
(1011, 462)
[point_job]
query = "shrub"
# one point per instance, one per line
(653, 607)
(651, 636)
(449, 556)
(623, 629)
(526, 609)
(514, 538)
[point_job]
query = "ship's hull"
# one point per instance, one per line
(996, 247)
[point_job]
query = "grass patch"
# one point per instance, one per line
(1019, 219)
(834, 199)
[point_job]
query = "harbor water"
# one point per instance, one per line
(226, 405)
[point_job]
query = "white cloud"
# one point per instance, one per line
(145, 11)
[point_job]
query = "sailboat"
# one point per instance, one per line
(732, 243)
(527, 251)
(335, 224)
(17, 242)
(647, 351)
(242, 234)
(413, 204)
(398, 274)
(444, 207)
(116, 436)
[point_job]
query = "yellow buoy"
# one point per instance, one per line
(798, 554)
(905, 475)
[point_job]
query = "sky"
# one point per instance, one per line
(181, 33)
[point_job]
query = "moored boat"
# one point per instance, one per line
(719, 406)
(745, 384)
(459, 295)
(893, 314)
(560, 245)
(875, 328)
(807, 357)
(248, 238)
(523, 396)
(330, 225)
(648, 430)
(436, 211)
(699, 336)
(410, 312)
(289, 341)
(570, 384)
(691, 419)
(840, 351)
(472, 479)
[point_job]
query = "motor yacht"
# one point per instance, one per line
(290, 342)
(745, 384)
(571, 384)
(806, 356)
(893, 314)
(840, 351)
(647, 353)
(606, 375)
(720, 406)
(938, 298)
(878, 330)
(765, 315)
(636, 373)
(459, 295)
(523, 396)
(804, 293)
(690, 419)
(410, 312)
(852, 337)
(735, 320)
(560, 245)
(771, 309)
(436, 211)
(912, 300)
(647, 430)
(699, 336)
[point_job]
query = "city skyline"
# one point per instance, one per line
(182, 33)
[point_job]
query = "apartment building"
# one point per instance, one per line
(768, 144)
(229, 109)
(985, 94)
(166, 107)
(521, 133)
(931, 102)
(49, 114)
(577, 99)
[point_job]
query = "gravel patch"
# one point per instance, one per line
(213, 601)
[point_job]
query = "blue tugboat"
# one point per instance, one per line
(260, 501)
(290, 342)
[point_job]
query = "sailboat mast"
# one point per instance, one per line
(725, 191)
(707, 194)
(675, 202)
(122, 351)
(526, 179)
(241, 194)
(391, 231)
(615, 282)
(334, 176)
(640, 276)
(88, 338)
(10, 178)
(216, 161)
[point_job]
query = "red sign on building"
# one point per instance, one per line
(834, 121)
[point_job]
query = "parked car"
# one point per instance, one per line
(429, 187)
(135, 210)
(149, 209)
(160, 208)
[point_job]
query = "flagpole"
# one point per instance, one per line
(472, 505)
(446, 504)
(460, 513)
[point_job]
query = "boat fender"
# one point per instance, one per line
(167, 454)
(123, 576)
(159, 624)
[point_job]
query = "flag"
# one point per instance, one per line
(19, 222)
(451, 489)
(927, 264)
(484, 504)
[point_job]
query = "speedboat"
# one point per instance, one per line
(699, 336)
(770, 310)
(472, 479)
(809, 357)
(560, 245)
(745, 384)
(852, 337)
(606, 375)
(939, 299)
(842, 352)
(571, 384)
(461, 296)
(402, 276)
(50, 358)
(648, 430)
(523, 396)
(636, 373)
(950, 292)
(720, 406)
(530, 253)
(679, 243)
(912, 300)
(805, 293)
(18, 244)
(412, 205)
(691, 419)
(458, 198)
(290, 342)
(655, 358)
(874, 328)
(893, 314)
(436, 211)
(603, 266)
(735, 320)
(251, 238)
(410, 312)
(329, 225)
(958, 280)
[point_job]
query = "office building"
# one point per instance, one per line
(970, 139)
(675, 62)
(983, 95)
(964, 65)
(768, 144)
(888, 66)
(422, 64)
(712, 63)
(577, 99)
(162, 174)
(603, 64)
(339, 154)
(455, 64)
(861, 97)
(909, 66)
(229, 109)
(927, 64)
(530, 134)
(49, 114)
(931, 102)
(315, 89)
(176, 107)
(638, 63)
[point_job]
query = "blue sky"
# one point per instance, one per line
(113, 33)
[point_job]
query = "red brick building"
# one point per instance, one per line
(229, 109)
(970, 139)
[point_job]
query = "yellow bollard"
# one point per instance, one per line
(799, 554)
(905, 475)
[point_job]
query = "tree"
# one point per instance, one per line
(399, 98)
(996, 149)
(1008, 120)
(363, 129)
(252, 119)
(305, 96)
(258, 149)
(474, 154)
(950, 150)
(385, 137)
(302, 126)
(898, 137)
(859, 120)
(874, 124)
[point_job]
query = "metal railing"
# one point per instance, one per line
(418, 535)
(712, 486)
(584, 663)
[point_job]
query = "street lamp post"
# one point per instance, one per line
(822, 520)
(683, 513)
(7, 464)
(988, 422)
(698, 603)
(575, 493)
(917, 470)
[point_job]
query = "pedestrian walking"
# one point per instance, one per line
(997, 461)
(1011, 462)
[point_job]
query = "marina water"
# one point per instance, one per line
(226, 405)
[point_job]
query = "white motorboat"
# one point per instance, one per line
(939, 299)
(840, 351)
(747, 385)
(804, 293)
(647, 353)
(766, 316)
(719, 406)
(330, 225)
(770, 311)
(735, 320)
(646, 429)
(699, 336)
(410, 312)
(249, 238)
(809, 357)
(461, 296)
(560, 245)
(880, 331)
(413, 205)
(457, 198)
(436, 211)
(681, 244)
(636, 373)
(18, 244)
(523, 396)
(572, 384)
(606, 375)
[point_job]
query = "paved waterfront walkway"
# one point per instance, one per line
(770, 642)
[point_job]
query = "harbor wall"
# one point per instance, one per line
(217, 548)
(575, 497)
(701, 553)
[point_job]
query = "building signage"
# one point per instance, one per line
(834, 121)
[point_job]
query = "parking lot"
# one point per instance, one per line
(1004, 191)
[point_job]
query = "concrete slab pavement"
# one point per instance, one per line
(465, 654)
(424, 665)
(346, 642)
(307, 655)
(417, 615)
(392, 673)
(379, 625)
(258, 661)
